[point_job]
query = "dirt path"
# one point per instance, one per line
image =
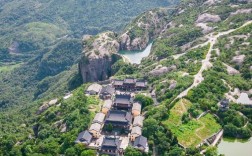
(197, 130)
(206, 64)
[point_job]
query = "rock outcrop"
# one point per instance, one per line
(159, 70)
(205, 18)
(138, 34)
(99, 54)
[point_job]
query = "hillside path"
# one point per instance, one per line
(206, 64)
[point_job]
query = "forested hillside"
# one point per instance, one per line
(40, 41)
(200, 57)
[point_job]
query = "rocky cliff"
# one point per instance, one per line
(143, 29)
(98, 56)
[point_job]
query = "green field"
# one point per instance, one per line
(195, 131)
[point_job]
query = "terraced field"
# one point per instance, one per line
(193, 132)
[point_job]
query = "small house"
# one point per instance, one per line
(95, 130)
(138, 121)
(84, 137)
(136, 109)
(106, 106)
(135, 132)
(111, 146)
(99, 118)
(94, 89)
(141, 143)
(107, 92)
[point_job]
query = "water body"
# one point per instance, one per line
(231, 147)
(137, 56)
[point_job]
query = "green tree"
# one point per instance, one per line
(130, 151)
(88, 153)
(70, 152)
(144, 100)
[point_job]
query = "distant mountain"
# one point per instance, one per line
(39, 39)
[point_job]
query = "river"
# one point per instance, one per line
(137, 56)
(231, 147)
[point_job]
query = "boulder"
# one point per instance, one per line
(205, 18)
(239, 59)
(162, 70)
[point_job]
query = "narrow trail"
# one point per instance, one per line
(197, 130)
(206, 64)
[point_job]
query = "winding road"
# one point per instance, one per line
(206, 64)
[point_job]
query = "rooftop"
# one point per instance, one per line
(129, 81)
(138, 121)
(111, 142)
(119, 116)
(118, 82)
(99, 118)
(84, 136)
(140, 141)
(141, 83)
(123, 99)
(107, 89)
(94, 87)
(107, 104)
(136, 130)
(137, 106)
(95, 126)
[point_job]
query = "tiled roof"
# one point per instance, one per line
(94, 87)
(99, 118)
(140, 141)
(119, 116)
(107, 104)
(137, 106)
(136, 130)
(95, 126)
(123, 99)
(109, 89)
(138, 121)
(84, 136)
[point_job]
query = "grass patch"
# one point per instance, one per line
(8, 68)
(193, 132)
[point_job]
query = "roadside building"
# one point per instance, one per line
(138, 121)
(119, 119)
(136, 109)
(95, 130)
(84, 137)
(99, 118)
(107, 92)
(106, 106)
(94, 89)
(135, 132)
(111, 146)
(123, 102)
(141, 143)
